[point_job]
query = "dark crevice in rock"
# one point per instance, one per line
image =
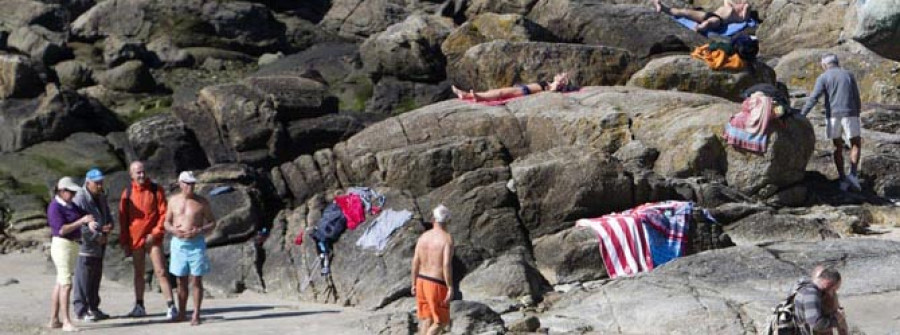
(745, 320)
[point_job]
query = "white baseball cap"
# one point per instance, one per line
(66, 183)
(187, 177)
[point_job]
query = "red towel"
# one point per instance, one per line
(352, 207)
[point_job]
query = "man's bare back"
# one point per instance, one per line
(432, 248)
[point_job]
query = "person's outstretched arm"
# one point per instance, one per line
(818, 90)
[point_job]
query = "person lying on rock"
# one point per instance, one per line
(732, 11)
(560, 84)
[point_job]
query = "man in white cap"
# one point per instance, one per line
(189, 219)
(432, 274)
(842, 106)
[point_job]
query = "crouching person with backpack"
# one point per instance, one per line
(816, 307)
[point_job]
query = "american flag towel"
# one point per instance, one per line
(644, 237)
(623, 243)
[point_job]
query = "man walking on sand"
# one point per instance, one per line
(142, 209)
(189, 219)
(432, 275)
(842, 106)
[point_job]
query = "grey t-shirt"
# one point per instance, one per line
(841, 94)
(100, 210)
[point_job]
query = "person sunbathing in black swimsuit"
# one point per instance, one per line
(730, 12)
(560, 84)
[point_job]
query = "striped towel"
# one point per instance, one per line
(739, 138)
(623, 243)
(667, 225)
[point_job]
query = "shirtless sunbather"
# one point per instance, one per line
(732, 11)
(560, 83)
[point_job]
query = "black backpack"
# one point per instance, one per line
(783, 321)
(331, 225)
(746, 46)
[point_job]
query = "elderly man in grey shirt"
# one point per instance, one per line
(842, 106)
(89, 269)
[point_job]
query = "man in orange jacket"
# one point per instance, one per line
(142, 211)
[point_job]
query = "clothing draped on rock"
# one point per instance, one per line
(380, 230)
(644, 237)
(749, 128)
(718, 59)
(357, 202)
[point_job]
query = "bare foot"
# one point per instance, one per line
(68, 327)
(195, 321)
(475, 96)
(54, 324)
(459, 93)
(658, 6)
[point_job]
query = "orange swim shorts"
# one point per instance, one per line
(430, 295)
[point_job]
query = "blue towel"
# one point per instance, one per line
(728, 30)
(221, 190)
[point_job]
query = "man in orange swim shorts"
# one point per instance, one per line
(432, 275)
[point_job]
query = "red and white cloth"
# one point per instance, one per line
(623, 243)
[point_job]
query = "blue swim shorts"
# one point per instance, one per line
(188, 257)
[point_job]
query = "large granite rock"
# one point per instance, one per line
(132, 76)
(790, 146)
(521, 7)
(729, 291)
(51, 117)
(74, 74)
(340, 67)
(37, 168)
(878, 27)
(686, 74)
(408, 50)
(790, 25)
(41, 44)
(165, 145)
(118, 50)
(18, 78)
(571, 255)
(358, 19)
(241, 212)
(392, 96)
(471, 317)
(489, 27)
(233, 25)
(639, 29)
(560, 185)
(876, 76)
(512, 275)
(501, 64)
(20, 13)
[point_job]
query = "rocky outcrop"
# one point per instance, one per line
(521, 7)
(876, 76)
(790, 25)
(165, 53)
(683, 73)
(560, 185)
(639, 29)
(392, 96)
(118, 50)
(728, 291)
(20, 13)
(132, 76)
(512, 275)
(265, 120)
(74, 74)
(233, 25)
(18, 78)
(165, 145)
(501, 64)
(878, 26)
(489, 27)
(358, 19)
(41, 44)
(783, 164)
(408, 50)
(52, 117)
(571, 255)
(470, 317)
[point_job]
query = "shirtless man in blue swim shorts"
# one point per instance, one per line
(731, 11)
(189, 219)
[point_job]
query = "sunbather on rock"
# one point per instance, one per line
(732, 11)
(560, 84)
